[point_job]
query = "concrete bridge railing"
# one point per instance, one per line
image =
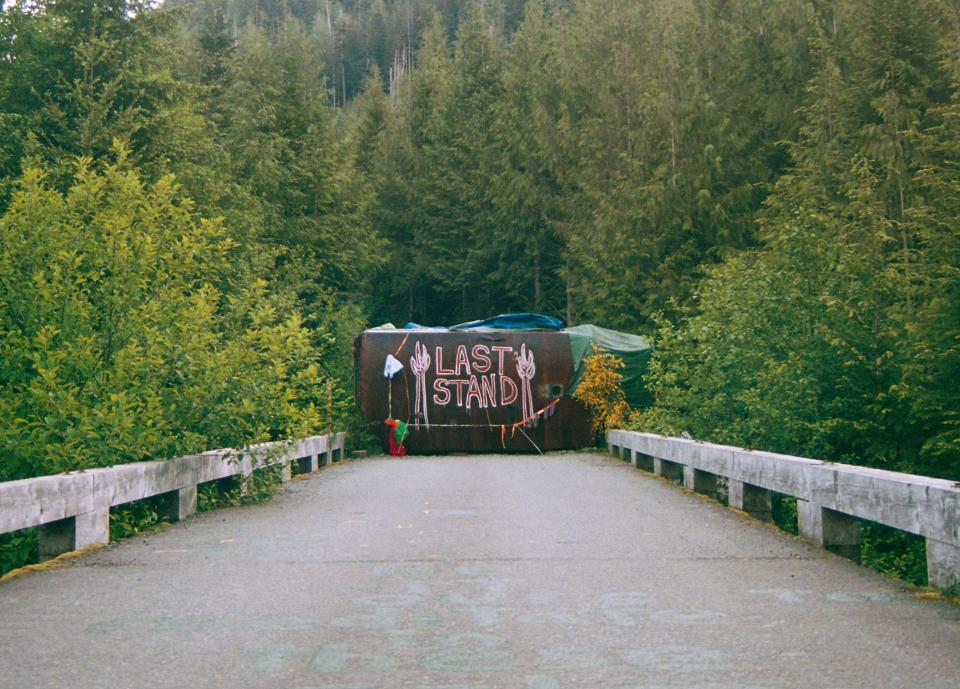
(73, 509)
(831, 498)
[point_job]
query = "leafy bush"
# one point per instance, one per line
(791, 349)
(131, 330)
(784, 512)
(237, 490)
(135, 518)
(798, 348)
(17, 549)
(895, 552)
(601, 391)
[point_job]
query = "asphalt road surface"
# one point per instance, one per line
(483, 572)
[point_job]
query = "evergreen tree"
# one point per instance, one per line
(832, 339)
(82, 74)
(131, 331)
(526, 194)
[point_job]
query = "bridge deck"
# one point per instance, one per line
(470, 572)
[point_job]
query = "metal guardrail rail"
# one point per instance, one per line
(73, 509)
(831, 498)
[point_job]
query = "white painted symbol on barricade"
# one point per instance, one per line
(420, 364)
(526, 369)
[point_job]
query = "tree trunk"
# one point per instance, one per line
(537, 287)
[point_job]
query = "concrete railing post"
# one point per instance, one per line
(73, 533)
(668, 470)
(92, 528)
(837, 532)
(178, 504)
(644, 462)
(943, 564)
(308, 464)
(702, 482)
(755, 501)
(336, 454)
(832, 498)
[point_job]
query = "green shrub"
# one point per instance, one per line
(131, 330)
(236, 491)
(17, 549)
(135, 518)
(895, 552)
(784, 512)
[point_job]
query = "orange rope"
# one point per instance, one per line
(403, 342)
(536, 415)
(503, 427)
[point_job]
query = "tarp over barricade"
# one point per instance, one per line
(633, 350)
(496, 384)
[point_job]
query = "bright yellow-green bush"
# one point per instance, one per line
(601, 391)
(130, 329)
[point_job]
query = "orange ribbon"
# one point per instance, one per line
(514, 426)
(403, 342)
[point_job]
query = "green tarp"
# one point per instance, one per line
(634, 350)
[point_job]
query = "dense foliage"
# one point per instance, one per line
(132, 331)
(838, 336)
(589, 166)
(600, 390)
(201, 201)
(184, 242)
(768, 188)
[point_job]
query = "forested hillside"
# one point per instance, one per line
(202, 201)
(769, 187)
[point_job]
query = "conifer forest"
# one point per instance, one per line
(203, 201)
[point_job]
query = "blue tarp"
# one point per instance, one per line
(514, 321)
(505, 321)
